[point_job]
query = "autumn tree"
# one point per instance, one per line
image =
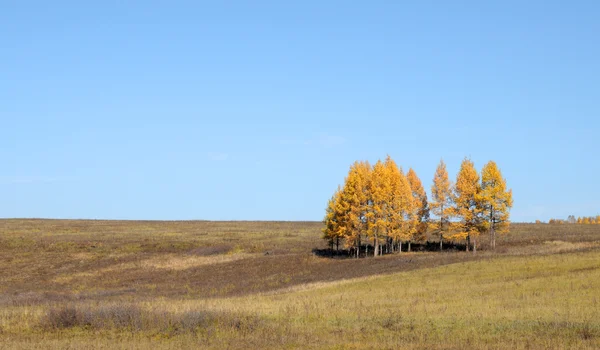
(441, 200)
(379, 187)
(331, 231)
(381, 203)
(399, 207)
(496, 201)
(420, 207)
(356, 194)
(466, 206)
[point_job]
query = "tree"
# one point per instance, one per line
(496, 201)
(420, 207)
(401, 221)
(379, 187)
(441, 199)
(466, 206)
(355, 194)
(332, 220)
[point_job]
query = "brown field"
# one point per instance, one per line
(145, 284)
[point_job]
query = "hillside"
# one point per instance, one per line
(259, 284)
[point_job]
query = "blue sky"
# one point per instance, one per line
(253, 110)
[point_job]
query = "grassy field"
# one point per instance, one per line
(142, 284)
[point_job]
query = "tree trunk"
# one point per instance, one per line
(441, 229)
(492, 231)
(375, 246)
(409, 242)
(468, 241)
(358, 247)
(337, 244)
(474, 245)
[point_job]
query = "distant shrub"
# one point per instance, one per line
(212, 250)
(65, 317)
(132, 318)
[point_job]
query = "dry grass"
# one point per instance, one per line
(111, 284)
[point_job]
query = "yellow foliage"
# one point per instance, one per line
(496, 200)
(381, 202)
(355, 194)
(420, 205)
(467, 208)
(379, 188)
(346, 211)
(334, 226)
(441, 198)
(402, 221)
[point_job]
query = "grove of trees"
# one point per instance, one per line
(382, 207)
(587, 220)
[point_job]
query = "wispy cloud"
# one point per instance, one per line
(217, 156)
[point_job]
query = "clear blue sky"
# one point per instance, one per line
(255, 110)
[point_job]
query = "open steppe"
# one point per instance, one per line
(158, 284)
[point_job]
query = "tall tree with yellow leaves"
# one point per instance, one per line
(420, 207)
(401, 221)
(333, 222)
(441, 200)
(496, 201)
(379, 187)
(466, 206)
(355, 194)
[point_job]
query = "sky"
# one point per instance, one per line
(254, 110)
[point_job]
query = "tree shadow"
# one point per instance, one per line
(367, 250)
